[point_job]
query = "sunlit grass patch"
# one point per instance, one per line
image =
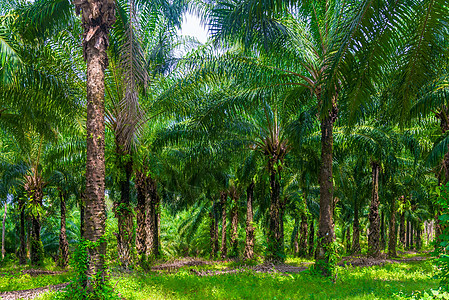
(379, 282)
(18, 281)
(299, 261)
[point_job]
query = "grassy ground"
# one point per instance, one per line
(392, 281)
(12, 277)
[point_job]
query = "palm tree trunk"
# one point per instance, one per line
(224, 249)
(374, 228)
(348, 239)
(311, 237)
(249, 244)
(234, 225)
(141, 234)
(294, 239)
(275, 249)
(3, 232)
(326, 228)
(212, 232)
(63, 243)
(22, 249)
(36, 247)
(412, 229)
(124, 212)
(303, 236)
(30, 231)
(356, 230)
(392, 236)
(97, 17)
(152, 220)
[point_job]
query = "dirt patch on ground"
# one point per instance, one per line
(265, 268)
(186, 262)
(361, 261)
(281, 268)
(31, 293)
(356, 261)
(32, 272)
(194, 262)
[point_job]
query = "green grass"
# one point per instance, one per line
(12, 279)
(393, 281)
(17, 281)
(299, 261)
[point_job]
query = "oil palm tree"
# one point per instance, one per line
(227, 117)
(383, 146)
(42, 18)
(344, 46)
(142, 52)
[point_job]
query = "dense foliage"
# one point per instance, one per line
(311, 129)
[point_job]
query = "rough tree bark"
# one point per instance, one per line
(152, 222)
(326, 228)
(383, 243)
(224, 249)
(374, 218)
(97, 17)
(63, 243)
(123, 211)
(275, 250)
(33, 187)
(392, 236)
(141, 234)
(249, 243)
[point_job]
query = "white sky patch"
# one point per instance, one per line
(191, 26)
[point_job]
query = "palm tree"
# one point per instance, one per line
(97, 18)
(383, 146)
(265, 130)
(313, 60)
(341, 48)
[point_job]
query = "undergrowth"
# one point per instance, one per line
(18, 281)
(413, 280)
(392, 281)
